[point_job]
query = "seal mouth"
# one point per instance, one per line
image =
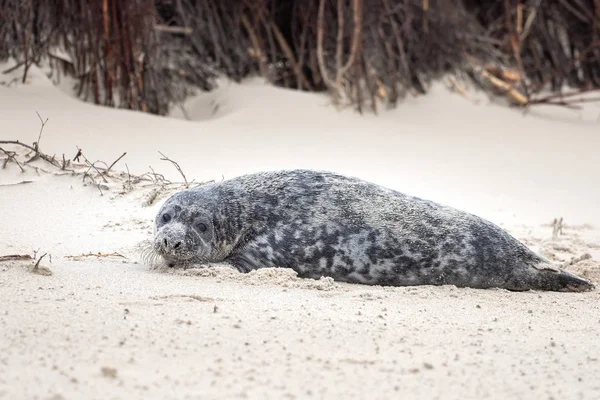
(172, 257)
(179, 262)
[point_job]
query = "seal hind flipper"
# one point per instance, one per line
(568, 282)
(548, 277)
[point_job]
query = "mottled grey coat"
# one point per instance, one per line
(324, 224)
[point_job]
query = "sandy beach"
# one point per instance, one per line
(93, 321)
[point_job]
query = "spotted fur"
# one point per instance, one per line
(324, 224)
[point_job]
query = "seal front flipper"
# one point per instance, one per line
(241, 262)
(246, 255)
(249, 258)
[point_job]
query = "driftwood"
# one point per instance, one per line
(15, 257)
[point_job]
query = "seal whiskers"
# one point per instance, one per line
(149, 256)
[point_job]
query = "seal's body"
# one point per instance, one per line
(324, 224)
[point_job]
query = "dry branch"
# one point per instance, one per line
(165, 158)
(87, 168)
(575, 260)
(113, 164)
(90, 164)
(320, 56)
(290, 55)
(40, 270)
(97, 255)
(15, 184)
(11, 157)
(258, 51)
(65, 163)
(356, 35)
(37, 264)
(173, 29)
(513, 94)
(15, 257)
(38, 153)
(557, 227)
(43, 124)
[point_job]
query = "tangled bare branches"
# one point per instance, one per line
(95, 173)
(149, 54)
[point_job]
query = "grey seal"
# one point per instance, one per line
(324, 224)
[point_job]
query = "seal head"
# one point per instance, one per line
(184, 231)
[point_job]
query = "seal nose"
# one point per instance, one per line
(172, 245)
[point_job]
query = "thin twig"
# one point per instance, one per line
(157, 177)
(37, 264)
(264, 70)
(355, 44)
(11, 157)
(320, 56)
(87, 175)
(37, 144)
(557, 226)
(116, 161)
(128, 174)
(80, 154)
(575, 260)
(165, 158)
(41, 155)
(290, 56)
(65, 162)
(561, 96)
(15, 184)
(98, 255)
(15, 67)
(173, 29)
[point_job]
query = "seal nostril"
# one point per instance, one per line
(166, 243)
(177, 245)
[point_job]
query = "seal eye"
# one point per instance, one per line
(202, 227)
(166, 217)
